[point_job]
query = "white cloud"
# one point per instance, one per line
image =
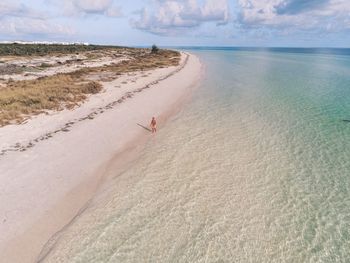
(19, 27)
(10, 9)
(215, 10)
(114, 12)
(19, 20)
(294, 15)
(170, 16)
(89, 7)
(93, 6)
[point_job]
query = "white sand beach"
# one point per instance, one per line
(52, 164)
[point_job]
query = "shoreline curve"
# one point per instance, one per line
(61, 183)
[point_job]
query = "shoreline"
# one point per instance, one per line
(70, 165)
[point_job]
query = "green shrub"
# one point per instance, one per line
(155, 49)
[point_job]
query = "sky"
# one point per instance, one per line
(262, 23)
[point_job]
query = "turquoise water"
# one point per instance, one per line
(256, 168)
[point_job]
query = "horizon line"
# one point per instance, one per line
(172, 46)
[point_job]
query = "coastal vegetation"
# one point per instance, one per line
(154, 49)
(19, 99)
(43, 49)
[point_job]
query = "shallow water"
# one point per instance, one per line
(256, 168)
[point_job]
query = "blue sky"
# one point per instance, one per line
(292, 23)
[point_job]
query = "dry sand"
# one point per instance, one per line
(29, 68)
(52, 165)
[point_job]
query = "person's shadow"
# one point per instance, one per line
(144, 127)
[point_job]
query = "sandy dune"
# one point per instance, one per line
(29, 68)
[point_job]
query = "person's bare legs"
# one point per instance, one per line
(153, 125)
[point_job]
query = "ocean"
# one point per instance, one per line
(255, 168)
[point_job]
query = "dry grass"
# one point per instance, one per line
(21, 99)
(24, 98)
(140, 62)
